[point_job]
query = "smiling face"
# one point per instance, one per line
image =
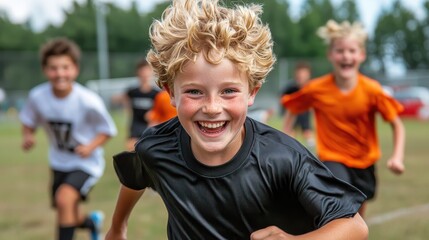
(61, 72)
(211, 102)
(346, 56)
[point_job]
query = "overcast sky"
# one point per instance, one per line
(42, 12)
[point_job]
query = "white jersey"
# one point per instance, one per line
(70, 121)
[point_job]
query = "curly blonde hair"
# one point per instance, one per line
(190, 27)
(333, 30)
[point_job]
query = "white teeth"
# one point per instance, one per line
(212, 125)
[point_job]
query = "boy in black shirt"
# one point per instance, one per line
(220, 174)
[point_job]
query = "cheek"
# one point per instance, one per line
(51, 74)
(335, 57)
(186, 106)
(238, 107)
(74, 73)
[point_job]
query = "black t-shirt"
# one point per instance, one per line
(303, 119)
(290, 89)
(272, 180)
(141, 103)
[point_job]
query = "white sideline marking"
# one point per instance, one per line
(396, 214)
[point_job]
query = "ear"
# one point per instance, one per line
(171, 93)
(363, 55)
(252, 95)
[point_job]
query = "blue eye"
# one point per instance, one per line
(193, 91)
(229, 91)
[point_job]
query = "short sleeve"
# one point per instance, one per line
(28, 115)
(299, 101)
(323, 196)
(388, 107)
(101, 119)
(130, 171)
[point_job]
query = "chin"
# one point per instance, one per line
(213, 148)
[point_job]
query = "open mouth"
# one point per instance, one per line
(345, 66)
(212, 127)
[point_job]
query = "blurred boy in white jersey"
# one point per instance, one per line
(77, 124)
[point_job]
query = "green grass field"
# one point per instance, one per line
(26, 214)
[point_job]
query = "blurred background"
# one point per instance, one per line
(113, 35)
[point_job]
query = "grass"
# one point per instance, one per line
(26, 214)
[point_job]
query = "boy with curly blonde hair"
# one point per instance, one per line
(221, 174)
(345, 103)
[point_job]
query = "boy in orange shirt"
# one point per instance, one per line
(345, 103)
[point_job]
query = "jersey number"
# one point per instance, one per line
(62, 132)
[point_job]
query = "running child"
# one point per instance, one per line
(221, 174)
(77, 124)
(138, 101)
(345, 103)
(303, 123)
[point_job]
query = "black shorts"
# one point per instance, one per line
(80, 180)
(363, 179)
(303, 121)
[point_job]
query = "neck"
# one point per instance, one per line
(145, 87)
(345, 84)
(61, 93)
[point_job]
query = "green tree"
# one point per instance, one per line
(314, 14)
(126, 30)
(399, 36)
(347, 11)
(425, 35)
(16, 36)
(79, 25)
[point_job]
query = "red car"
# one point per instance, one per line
(415, 101)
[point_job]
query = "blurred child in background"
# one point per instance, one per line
(77, 124)
(303, 123)
(345, 103)
(138, 101)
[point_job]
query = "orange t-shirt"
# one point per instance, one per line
(162, 109)
(345, 122)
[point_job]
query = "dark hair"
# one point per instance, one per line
(57, 47)
(142, 63)
(302, 65)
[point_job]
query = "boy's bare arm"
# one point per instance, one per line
(121, 99)
(344, 228)
(127, 199)
(288, 122)
(28, 140)
(86, 150)
(396, 161)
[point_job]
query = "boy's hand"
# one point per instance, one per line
(83, 150)
(396, 165)
(28, 142)
(270, 233)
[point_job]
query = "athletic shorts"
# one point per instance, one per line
(363, 179)
(80, 180)
(303, 121)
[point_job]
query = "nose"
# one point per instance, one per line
(212, 106)
(60, 72)
(346, 55)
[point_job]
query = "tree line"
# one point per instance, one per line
(399, 36)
